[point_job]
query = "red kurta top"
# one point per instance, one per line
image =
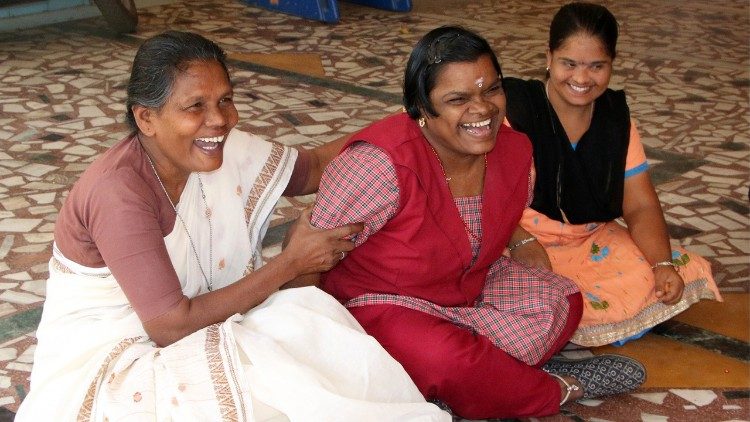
(424, 250)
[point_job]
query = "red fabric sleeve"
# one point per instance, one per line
(359, 185)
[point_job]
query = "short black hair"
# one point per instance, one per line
(439, 47)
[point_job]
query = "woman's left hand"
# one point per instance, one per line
(669, 285)
(533, 255)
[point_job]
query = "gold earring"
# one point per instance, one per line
(421, 122)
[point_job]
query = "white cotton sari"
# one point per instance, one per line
(298, 356)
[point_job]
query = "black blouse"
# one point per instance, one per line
(585, 183)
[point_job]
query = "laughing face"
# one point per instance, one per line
(579, 70)
(469, 112)
(187, 134)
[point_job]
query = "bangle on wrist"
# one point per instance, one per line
(521, 243)
(664, 264)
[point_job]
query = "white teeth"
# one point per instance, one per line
(478, 124)
(578, 88)
(215, 139)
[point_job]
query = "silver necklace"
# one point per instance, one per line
(210, 279)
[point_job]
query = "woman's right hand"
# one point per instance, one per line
(312, 250)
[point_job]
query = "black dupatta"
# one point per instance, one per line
(585, 183)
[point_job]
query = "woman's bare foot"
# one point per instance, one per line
(570, 389)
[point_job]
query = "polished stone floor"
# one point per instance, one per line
(685, 67)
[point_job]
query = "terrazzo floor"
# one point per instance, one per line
(685, 67)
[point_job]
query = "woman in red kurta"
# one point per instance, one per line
(427, 277)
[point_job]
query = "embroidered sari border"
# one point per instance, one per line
(602, 334)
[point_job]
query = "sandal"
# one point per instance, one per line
(601, 375)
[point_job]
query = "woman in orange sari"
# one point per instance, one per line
(591, 170)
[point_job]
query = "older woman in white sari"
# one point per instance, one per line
(157, 305)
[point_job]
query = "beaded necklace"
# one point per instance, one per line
(210, 279)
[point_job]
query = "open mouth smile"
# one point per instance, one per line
(209, 144)
(579, 89)
(478, 128)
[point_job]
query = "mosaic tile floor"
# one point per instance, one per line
(685, 66)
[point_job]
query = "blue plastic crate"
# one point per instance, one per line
(325, 10)
(395, 5)
(321, 10)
